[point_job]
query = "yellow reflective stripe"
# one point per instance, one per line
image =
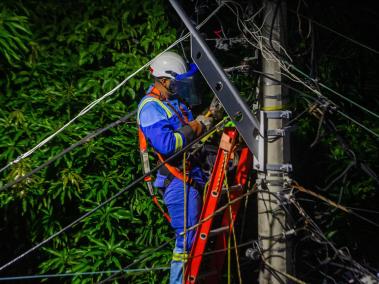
(273, 108)
(180, 256)
(162, 105)
(178, 141)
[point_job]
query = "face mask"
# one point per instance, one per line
(184, 87)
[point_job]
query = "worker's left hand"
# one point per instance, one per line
(206, 121)
(215, 109)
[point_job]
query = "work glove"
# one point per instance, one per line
(206, 121)
(196, 127)
(216, 109)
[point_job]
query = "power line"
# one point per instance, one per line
(322, 239)
(334, 204)
(334, 92)
(212, 252)
(288, 65)
(95, 102)
(289, 276)
(132, 184)
(219, 210)
(72, 147)
(336, 32)
(358, 123)
(285, 64)
(138, 260)
(75, 274)
(349, 207)
(314, 99)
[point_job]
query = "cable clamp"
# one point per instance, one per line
(278, 114)
(279, 167)
(289, 233)
(259, 181)
(253, 253)
(275, 182)
(280, 131)
(287, 182)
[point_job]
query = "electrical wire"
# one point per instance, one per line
(276, 11)
(316, 232)
(289, 276)
(332, 203)
(243, 222)
(68, 149)
(280, 202)
(263, 258)
(286, 65)
(218, 211)
(151, 171)
(285, 68)
(112, 278)
(349, 207)
(131, 185)
(334, 92)
(229, 259)
(314, 99)
(136, 261)
(231, 221)
(111, 92)
(75, 274)
(335, 32)
(358, 123)
(184, 213)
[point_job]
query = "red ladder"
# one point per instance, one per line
(224, 155)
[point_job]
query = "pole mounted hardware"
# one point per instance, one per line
(246, 123)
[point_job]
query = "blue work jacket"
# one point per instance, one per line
(162, 128)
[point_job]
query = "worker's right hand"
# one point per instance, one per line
(197, 127)
(207, 121)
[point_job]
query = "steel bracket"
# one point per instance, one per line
(278, 114)
(279, 167)
(279, 132)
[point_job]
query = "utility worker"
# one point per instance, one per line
(168, 125)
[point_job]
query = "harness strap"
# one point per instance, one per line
(146, 169)
(174, 171)
(156, 202)
(184, 119)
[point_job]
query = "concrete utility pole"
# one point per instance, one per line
(271, 216)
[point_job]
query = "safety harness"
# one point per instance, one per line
(172, 171)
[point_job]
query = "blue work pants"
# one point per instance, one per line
(174, 200)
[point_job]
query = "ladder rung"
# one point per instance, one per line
(217, 231)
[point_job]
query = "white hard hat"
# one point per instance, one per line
(167, 65)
